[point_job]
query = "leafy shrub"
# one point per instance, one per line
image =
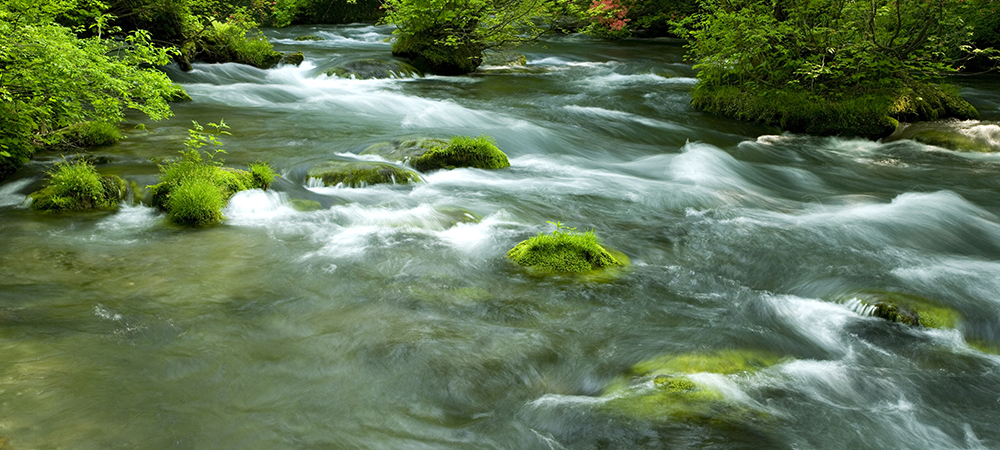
(449, 37)
(479, 152)
(77, 186)
(564, 250)
(54, 78)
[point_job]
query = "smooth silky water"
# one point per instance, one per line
(388, 319)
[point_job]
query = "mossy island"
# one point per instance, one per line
(76, 186)
(686, 387)
(427, 154)
(194, 189)
(565, 251)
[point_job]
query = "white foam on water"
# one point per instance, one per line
(129, 220)
(476, 238)
(622, 116)
(256, 206)
(820, 322)
(10, 193)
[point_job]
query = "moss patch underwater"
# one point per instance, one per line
(903, 308)
(676, 387)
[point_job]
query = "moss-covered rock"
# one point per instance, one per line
(310, 37)
(903, 308)
(361, 173)
(504, 59)
(462, 55)
(293, 59)
(405, 150)
(951, 140)
(666, 388)
(86, 134)
(193, 192)
(78, 186)
(431, 154)
(921, 102)
(303, 205)
(479, 152)
(564, 251)
(373, 69)
(867, 115)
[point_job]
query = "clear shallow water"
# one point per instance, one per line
(387, 320)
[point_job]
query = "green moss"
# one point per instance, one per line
(373, 69)
(952, 140)
(293, 59)
(798, 111)
(674, 395)
(405, 150)
(176, 177)
(86, 134)
(303, 205)
(504, 59)
(904, 308)
(309, 37)
(361, 173)
(984, 346)
(870, 115)
(78, 186)
(479, 152)
(196, 202)
(461, 55)
(563, 251)
(726, 362)
(231, 42)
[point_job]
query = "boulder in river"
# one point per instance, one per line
(373, 69)
(673, 387)
(904, 308)
(431, 154)
(565, 251)
(292, 58)
(309, 37)
(361, 173)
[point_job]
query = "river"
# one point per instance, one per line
(390, 319)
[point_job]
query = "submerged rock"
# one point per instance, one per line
(504, 59)
(431, 154)
(361, 173)
(565, 251)
(961, 136)
(904, 308)
(309, 37)
(687, 387)
(373, 69)
(303, 205)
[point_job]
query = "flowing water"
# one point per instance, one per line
(388, 319)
